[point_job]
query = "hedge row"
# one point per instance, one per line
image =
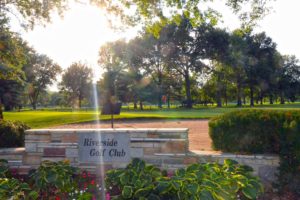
(262, 131)
(12, 133)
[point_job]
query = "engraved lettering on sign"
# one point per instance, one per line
(104, 147)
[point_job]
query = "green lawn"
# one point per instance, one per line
(40, 119)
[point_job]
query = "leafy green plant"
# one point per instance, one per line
(4, 169)
(54, 179)
(197, 181)
(14, 189)
(12, 133)
(137, 180)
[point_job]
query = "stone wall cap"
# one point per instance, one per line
(156, 140)
(230, 155)
(119, 130)
(12, 150)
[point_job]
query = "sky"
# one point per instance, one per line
(83, 29)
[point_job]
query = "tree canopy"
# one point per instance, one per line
(155, 15)
(76, 81)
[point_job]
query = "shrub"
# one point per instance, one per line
(12, 133)
(197, 181)
(262, 131)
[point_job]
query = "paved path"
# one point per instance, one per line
(198, 129)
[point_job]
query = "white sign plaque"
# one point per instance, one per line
(104, 147)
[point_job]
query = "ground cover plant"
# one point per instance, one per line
(262, 131)
(51, 181)
(58, 180)
(197, 181)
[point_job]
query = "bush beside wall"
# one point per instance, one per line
(262, 131)
(12, 133)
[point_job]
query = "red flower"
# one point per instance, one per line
(93, 182)
(57, 198)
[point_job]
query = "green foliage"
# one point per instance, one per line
(197, 181)
(157, 14)
(136, 180)
(4, 169)
(261, 131)
(29, 13)
(251, 131)
(11, 188)
(76, 82)
(54, 178)
(12, 133)
(40, 71)
(15, 190)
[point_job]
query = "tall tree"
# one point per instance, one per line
(260, 65)
(288, 78)
(237, 60)
(41, 72)
(151, 60)
(185, 54)
(12, 59)
(76, 81)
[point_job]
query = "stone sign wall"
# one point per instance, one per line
(82, 147)
(85, 148)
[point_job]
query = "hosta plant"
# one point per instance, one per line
(197, 181)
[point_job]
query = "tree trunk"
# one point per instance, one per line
(134, 104)
(141, 105)
(159, 98)
(239, 94)
(271, 99)
(282, 101)
(1, 112)
(33, 104)
(251, 96)
(261, 98)
(225, 96)
(168, 101)
(79, 102)
(218, 95)
(189, 103)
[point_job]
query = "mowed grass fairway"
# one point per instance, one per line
(48, 118)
